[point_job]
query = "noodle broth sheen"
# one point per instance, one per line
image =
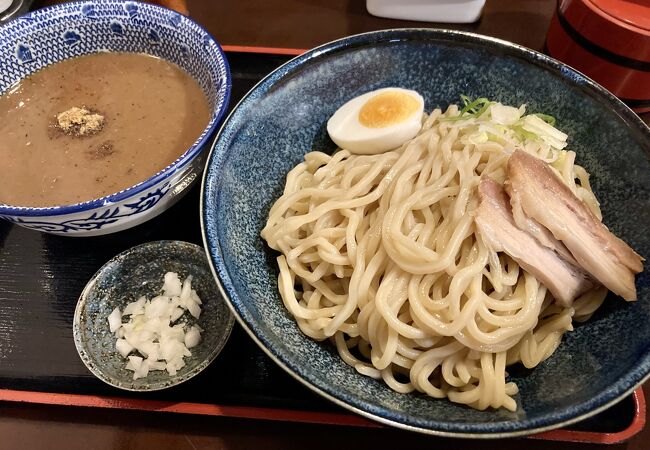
(152, 113)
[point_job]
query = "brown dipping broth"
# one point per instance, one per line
(153, 112)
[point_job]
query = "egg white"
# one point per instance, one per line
(345, 129)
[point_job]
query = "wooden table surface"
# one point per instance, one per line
(308, 23)
(287, 24)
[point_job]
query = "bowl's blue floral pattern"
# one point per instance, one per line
(97, 220)
(43, 37)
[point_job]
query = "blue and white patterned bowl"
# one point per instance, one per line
(53, 34)
(284, 117)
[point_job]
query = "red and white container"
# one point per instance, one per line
(609, 41)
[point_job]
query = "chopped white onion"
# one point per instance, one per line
(172, 285)
(504, 115)
(150, 332)
(149, 349)
(176, 332)
(123, 347)
(156, 365)
(153, 324)
(194, 309)
(157, 307)
(135, 308)
(171, 349)
(194, 296)
(137, 337)
(115, 320)
(142, 371)
(134, 363)
(192, 337)
(187, 289)
(176, 314)
(175, 365)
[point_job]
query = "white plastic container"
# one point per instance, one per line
(448, 11)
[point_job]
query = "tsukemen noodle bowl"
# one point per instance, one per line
(106, 108)
(423, 226)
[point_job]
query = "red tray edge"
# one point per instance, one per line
(265, 50)
(638, 422)
(325, 418)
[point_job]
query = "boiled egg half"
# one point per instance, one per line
(377, 121)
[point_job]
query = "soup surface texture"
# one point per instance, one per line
(141, 114)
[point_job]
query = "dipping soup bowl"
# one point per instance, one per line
(50, 35)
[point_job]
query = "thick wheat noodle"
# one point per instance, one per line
(379, 253)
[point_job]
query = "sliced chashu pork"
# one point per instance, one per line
(537, 230)
(498, 230)
(546, 199)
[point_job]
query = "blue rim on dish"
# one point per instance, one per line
(14, 26)
(213, 179)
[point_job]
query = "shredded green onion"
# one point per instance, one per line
(546, 118)
(475, 108)
(465, 99)
(495, 138)
(524, 134)
(471, 108)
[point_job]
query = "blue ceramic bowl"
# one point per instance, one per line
(139, 271)
(284, 117)
(50, 35)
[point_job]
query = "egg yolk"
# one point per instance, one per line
(387, 108)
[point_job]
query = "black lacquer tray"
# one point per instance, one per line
(41, 277)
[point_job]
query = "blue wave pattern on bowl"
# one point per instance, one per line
(96, 220)
(284, 117)
(129, 27)
(50, 35)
